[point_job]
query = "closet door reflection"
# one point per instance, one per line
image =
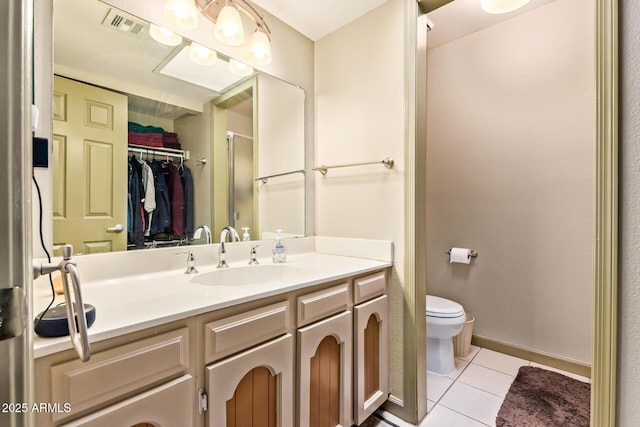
(241, 182)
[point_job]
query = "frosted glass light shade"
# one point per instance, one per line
(164, 36)
(502, 6)
(259, 51)
(202, 55)
(240, 69)
(229, 27)
(182, 13)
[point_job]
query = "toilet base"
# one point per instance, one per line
(440, 356)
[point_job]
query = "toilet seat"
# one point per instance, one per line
(442, 307)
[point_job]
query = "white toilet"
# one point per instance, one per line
(445, 319)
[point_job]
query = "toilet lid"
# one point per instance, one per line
(442, 307)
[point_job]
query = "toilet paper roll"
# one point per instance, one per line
(461, 255)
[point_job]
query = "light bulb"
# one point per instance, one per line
(502, 6)
(164, 36)
(240, 69)
(202, 55)
(229, 27)
(259, 51)
(182, 13)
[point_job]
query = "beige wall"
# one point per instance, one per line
(510, 148)
(629, 293)
(43, 89)
(359, 117)
(194, 132)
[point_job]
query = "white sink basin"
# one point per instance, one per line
(247, 275)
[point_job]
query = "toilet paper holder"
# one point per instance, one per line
(472, 254)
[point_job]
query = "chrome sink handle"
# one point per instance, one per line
(191, 262)
(73, 296)
(252, 255)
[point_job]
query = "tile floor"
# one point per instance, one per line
(471, 396)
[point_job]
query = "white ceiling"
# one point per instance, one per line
(317, 18)
(87, 50)
(462, 17)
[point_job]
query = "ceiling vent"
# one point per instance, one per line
(124, 23)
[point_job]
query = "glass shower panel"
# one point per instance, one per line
(242, 179)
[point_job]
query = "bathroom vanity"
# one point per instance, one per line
(304, 343)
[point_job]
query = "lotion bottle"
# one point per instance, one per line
(279, 249)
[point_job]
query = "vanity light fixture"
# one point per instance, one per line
(230, 29)
(259, 51)
(182, 13)
(240, 69)
(164, 36)
(502, 6)
(202, 55)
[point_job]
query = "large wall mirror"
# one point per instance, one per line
(202, 147)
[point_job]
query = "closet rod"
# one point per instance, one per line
(157, 151)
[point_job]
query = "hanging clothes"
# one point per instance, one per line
(161, 222)
(176, 196)
(135, 220)
(148, 182)
(187, 186)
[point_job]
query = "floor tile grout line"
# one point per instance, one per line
(502, 372)
(453, 379)
(464, 415)
(468, 416)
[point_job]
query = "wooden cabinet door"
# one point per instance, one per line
(89, 167)
(325, 363)
(244, 389)
(371, 356)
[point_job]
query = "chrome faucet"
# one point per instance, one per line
(234, 237)
(197, 234)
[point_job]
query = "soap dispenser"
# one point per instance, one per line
(245, 236)
(279, 249)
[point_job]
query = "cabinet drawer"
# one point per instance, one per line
(117, 371)
(370, 286)
(232, 334)
(323, 303)
(170, 404)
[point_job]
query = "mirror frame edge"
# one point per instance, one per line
(605, 283)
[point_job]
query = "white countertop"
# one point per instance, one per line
(134, 302)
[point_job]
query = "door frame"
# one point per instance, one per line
(605, 276)
(16, 269)
(605, 282)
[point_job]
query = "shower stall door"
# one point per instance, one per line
(242, 207)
